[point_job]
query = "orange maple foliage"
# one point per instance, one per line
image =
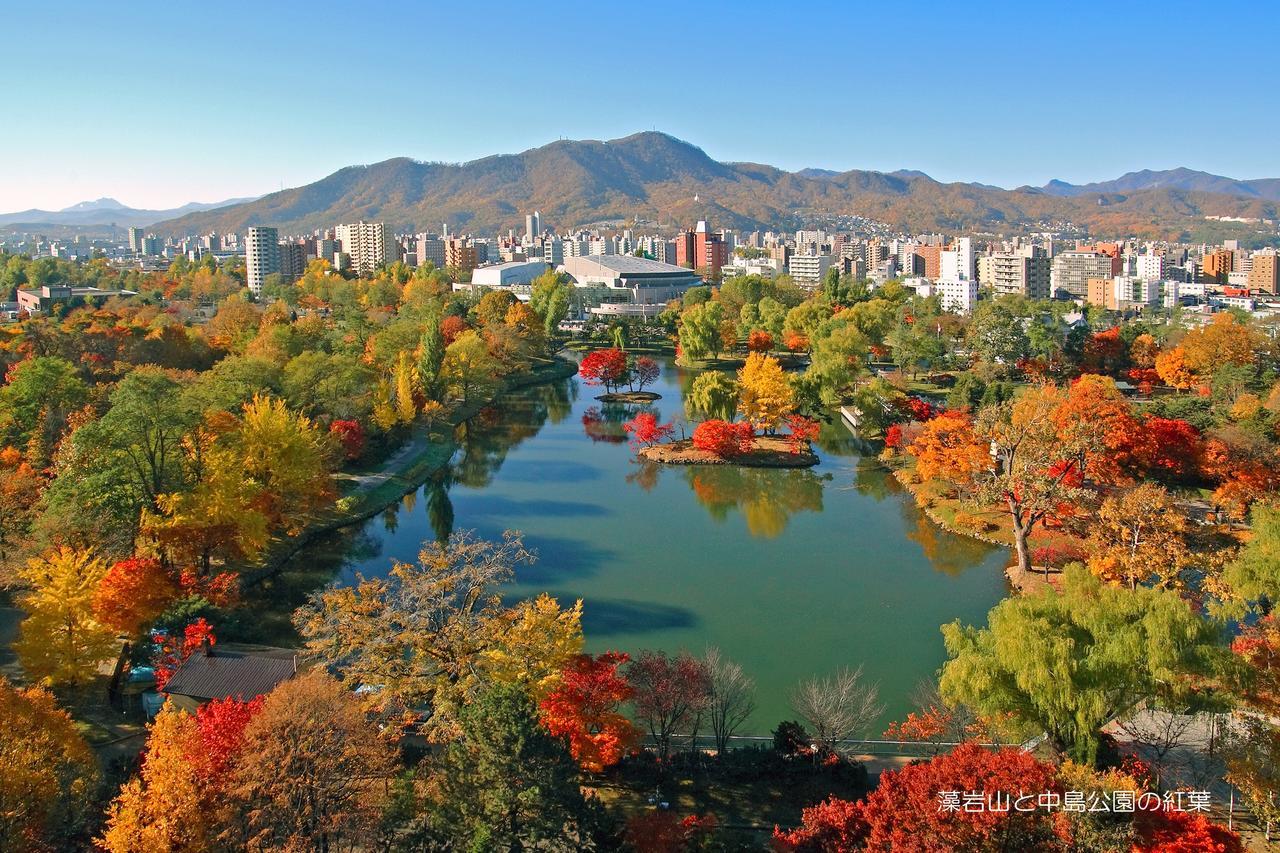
(583, 708)
(133, 593)
(948, 448)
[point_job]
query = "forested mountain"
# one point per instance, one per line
(655, 177)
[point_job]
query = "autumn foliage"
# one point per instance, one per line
(801, 431)
(133, 593)
(350, 436)
(724, 439)
(759, 341)
(645, 430)
(607, 367)
(584, 709)
(172, 651)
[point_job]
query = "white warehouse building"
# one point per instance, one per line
(626, 286)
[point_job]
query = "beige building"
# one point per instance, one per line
(1263, 273)
(1025, 271)
(368, 245)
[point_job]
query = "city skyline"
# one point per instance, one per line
(272, 100)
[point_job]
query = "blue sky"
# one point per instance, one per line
(160, 104)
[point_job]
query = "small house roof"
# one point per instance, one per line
(214, 673)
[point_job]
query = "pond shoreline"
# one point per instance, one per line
(770, 452)
(429, 449)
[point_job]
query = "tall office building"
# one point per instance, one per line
(459, 255)
(956, 262)
(135, 239)
(1071, 272)
(430, 248)
(369, 245)
(261, 255)
(533, 226)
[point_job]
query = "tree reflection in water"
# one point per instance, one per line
(486, 439)
(766, 497)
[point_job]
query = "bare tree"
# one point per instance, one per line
(837, 706)
(733, 697)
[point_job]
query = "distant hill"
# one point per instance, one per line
(1178, 179)
(657, 177)
(108, 211)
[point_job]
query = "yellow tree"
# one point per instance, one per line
(50, 774)
(1143, 351)
(437, 632)
(765, 396)
(384, 409)
(1173, 370)
(164, 808)
(537, 639)
(406, 380)
(1139, 535)
(61, 641)
(287, 458)
(469, 367)
(1223, 341)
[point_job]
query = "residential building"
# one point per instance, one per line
(1149, 266)
(368, 245)
(808, 270)
(1026, 272)
(261, 256)
(219, 672)
(430, 248)
(929, 264)
(135, 239)
(702, 250)
(955, 262)
(1216, 265)
(293, 261)
(460, 255)
(1263, 273)
(957, 294)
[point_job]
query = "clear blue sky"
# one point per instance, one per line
(158, 104)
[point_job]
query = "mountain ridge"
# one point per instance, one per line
(657, 177)
(108, 211)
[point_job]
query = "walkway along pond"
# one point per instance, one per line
(791, 573)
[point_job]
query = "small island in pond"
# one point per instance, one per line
(769, 451)
(629, 397)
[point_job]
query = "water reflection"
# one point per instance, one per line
(766, 497)
(486, 439)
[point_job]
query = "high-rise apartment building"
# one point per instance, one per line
(135, 239)
(293, 262)
(261, 256)
(368, 245)
(956, 262)
(930, 263)
(1216, 265)
(1025, 272)
(429, 248)
(460, 255)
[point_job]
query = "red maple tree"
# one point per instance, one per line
(801, 431)
(759, 341)
(645, 430)
(221, 726)
(607, 367)
(584, 709)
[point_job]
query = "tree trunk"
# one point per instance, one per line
(1021, 548)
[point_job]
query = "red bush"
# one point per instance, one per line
(801, 431)
(645, 430)
(723, 438)
(350, 435)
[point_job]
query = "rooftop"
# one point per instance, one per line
(215, 673)
(626, 264)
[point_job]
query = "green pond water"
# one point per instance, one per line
(791, 573)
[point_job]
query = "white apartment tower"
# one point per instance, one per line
(261, 256)
(369, 245)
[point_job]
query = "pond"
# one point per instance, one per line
(791, 573)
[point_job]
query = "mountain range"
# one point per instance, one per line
(108, 211)
(655, 177)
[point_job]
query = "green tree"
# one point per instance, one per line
(40, 394)
(835, 361)
(700, 331)
(1254, 576)
(1067, 662)
(507, 784)
(997, 336)
(549, 297)
(431, 347)
(713, 395)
